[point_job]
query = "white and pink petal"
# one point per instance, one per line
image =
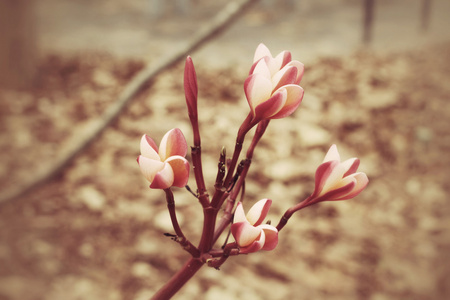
(300, 69)
(271, 237)
(173, 143)
(148, 148)
(239, 214)
(361, 181)
(149, 167)
(285, 76)
(180, 167)
(163, 179)
(272, 106)
(334, 178)
(257, 90)
(245, 234)
(261, 51)
(258, 212)
(339, 193)
(253, 247)
(283, 58)
(321, 176)
(293, 99)
(262, 68)
(332, 154)
(351, 165)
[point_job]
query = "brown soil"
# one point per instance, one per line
(95, 231)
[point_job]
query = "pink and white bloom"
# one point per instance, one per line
(167, 166)
(249, 232)
(336, 180)
(272, 87)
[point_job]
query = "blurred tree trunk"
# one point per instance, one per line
(17, 43)
(425, 15)
(368, 21)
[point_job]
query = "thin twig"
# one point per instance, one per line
(180, 238)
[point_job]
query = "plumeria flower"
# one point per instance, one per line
(336, 180)
(167, 166)
(272, 87)
(249, 232)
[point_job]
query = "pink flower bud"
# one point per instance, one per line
(166, 167)
(190, 87)
(336, 180)
(272, 87)
(249, 232)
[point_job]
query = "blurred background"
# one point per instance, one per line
(376, 84)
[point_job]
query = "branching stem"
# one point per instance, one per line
(184, 242)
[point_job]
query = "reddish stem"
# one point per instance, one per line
(196, 153)
(245, 127)
(216, 263)
(226, 219)
(191, 93)
(209, 222)
(288, 214)
(184, 242)
(179, 279)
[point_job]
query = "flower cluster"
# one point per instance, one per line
(273, 91)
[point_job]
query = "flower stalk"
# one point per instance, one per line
(179, 279)
(191, 94)
(180, 238)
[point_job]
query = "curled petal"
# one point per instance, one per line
(335, 178)
(283, 58)
(293, 100)
(271, 235)
(271, 106)
(252, 68)
(149, 148)
(253, 247)
(300, 69)
(274, 64)
(149, 167)
(180, 167)
(239, 214)
(287, 75)
(322, 174)
(351, 165)
(338, 193)
(257, 89)
(163, 179)
(361, 183)
(258, 212)
(332, 154)
(173, 143)
(341, 190)
(262, 69)
(245, 234)
(261, 51)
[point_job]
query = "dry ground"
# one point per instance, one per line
(95, 231)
